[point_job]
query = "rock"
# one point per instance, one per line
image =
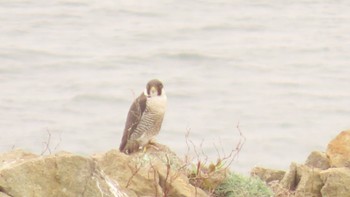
(131, 173)
(338, 150)
(172, 173)
(176, 183)
(267, 175)
(4, 195)
(323, 174)
(15, 156)
(310, 182)
(62, 174)
(290, 180)
(336, 182)
(305, 181)
(318, 159)
(157, 172)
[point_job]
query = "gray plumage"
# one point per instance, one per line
(145, 118)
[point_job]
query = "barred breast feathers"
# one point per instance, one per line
(145, 117)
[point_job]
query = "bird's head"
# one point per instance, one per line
(154, 88)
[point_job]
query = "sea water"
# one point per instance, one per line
(275, 71)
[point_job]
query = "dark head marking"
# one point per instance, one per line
(156, 84)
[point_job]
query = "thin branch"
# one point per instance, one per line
(155, 173)
(202, 172)
(217, 150)
(47, 143)
(235, 152)
(187, 156)
(59, 142)
(203, 153)
(134, 171)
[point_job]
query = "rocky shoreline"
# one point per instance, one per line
(322, 174)
(160, 172)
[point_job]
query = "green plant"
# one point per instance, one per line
(236, 185)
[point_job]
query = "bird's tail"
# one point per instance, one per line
(129, 147)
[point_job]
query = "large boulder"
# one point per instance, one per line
(305, 181)
(267, 175)
(129, 173)
(338, 150)
(62, 174)
(336, 182)
(155, 172)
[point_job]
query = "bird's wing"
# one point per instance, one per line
(134, 116)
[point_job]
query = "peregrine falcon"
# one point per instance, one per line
(145, 117)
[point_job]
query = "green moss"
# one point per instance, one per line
(236, 185)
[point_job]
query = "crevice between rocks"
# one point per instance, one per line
(90, 177)
(2, 190)
(296, 181)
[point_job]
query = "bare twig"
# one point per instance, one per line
(187, 156)
(59, 142)
(155, 181)
(203, 153)
(166, 184)
(227, 160)
(222, 147)
(204, 175)
(217, 150)
(47, 143)
(134, 170)
(171, 175)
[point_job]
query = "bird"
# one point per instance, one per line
(145, 118)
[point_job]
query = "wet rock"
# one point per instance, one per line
(267, 174)
(336, 182)
(338, 150)
(318, 159)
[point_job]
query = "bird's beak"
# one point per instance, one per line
(153, 91)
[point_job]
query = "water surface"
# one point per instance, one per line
(279, 70)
